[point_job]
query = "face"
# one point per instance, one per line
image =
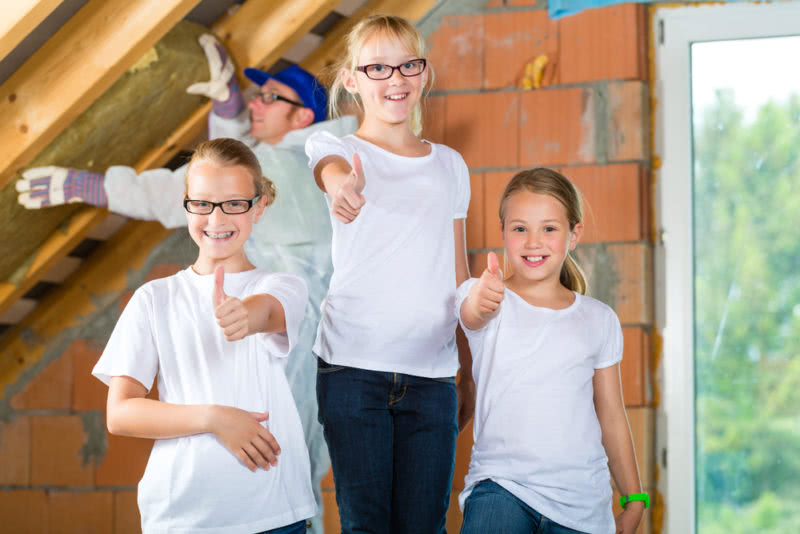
(269, 123)
(389, 101)
(220, 236)
(537, 236)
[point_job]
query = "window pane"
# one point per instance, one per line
(746, 143)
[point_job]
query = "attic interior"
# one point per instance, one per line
(676, 121)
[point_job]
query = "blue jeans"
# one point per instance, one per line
(392, 442)
(492, 508)
(294, 528)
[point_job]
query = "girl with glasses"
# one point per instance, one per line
(386, 388)
(229, 454)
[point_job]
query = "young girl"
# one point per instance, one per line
(550, 420)
(229, 455)
(386, 341)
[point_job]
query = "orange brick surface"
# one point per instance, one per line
(89, 393)
(557, 127)
(330, 511)
(162, 270)
(474, 222)
(641, 421)
(634, 368)
(15, 457)
(514, 39)
(126, 513)
(628, 129)
(603, 43)
(613, 195)
(504, 3)
(51, 389)
(433, 116)
(496, 183)
(80, 512)
(23, 511)
(456, 52)
(56, 442)
(124, 461)
(484, 128)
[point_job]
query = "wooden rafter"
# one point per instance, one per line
(74, 67)
(19, 18)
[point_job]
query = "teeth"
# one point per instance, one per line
(223, 235)
(396, 97)
(534, 259)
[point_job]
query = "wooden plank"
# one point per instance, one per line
(19, 18)
(104, 274)
(332, 48)
(73, 68)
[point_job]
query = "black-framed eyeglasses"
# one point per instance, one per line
(269, 98)
(231, 207)
(378, 71)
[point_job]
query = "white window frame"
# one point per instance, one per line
(675, 29)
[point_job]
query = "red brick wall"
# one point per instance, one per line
(591, 122)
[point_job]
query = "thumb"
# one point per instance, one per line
(260, 416)
(358, 173)
(219, 285)
(494, 265)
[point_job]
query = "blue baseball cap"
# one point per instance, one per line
(307, 87)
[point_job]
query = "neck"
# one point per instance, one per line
(398, 135)
(546, 293)
(233, 264)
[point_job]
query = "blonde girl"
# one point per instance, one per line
(388, 401)
(229, 454)
(550, 421)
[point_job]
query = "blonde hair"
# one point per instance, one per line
(228, 153)
(544, 181)
(388, 26)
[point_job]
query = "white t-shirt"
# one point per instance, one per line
(535, 429)
(389, 305)
(194, 484)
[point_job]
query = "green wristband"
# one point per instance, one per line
(635, 497)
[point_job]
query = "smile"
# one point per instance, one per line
(218, 235)
(534, 261)
(396, 98)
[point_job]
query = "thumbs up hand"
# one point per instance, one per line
(485, 296)
(231, 313)
(347, 201)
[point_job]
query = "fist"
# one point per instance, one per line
(488, 293)
(231, 313)
(347, 201)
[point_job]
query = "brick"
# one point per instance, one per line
(474, 222)
(496, 183)
(89, 393)
(126, 513)
(327, 481)
(613, 196)
(515, 3)
(454, 515)
(433, 116)
(124, 298)
(477, 263)
(56, 452)
(557, 127)
(641, 421)
(463, 453)
(330, 512)
(635, 366)
(51, 389)
(603, 43)
(80, 512)
(628, 121)
(456, 52)
(514, 39)
(621, 276)
(162, 270)
(124, 461)
(15, 454)
(23, 511)
(484, 128)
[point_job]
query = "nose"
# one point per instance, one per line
(396, 76)
(534, 239)
(217, 215)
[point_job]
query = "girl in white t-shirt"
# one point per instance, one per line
(229, 455)
(388, 401)
(549, 420)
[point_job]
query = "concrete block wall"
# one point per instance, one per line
(590, 121)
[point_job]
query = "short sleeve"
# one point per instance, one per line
(462, 191)
(131, 349)
(323, 144)
(612, 349)
(292, 293)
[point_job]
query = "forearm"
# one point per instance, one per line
(265, 314)
(147, 418)
(618, 444)
(331, 173)
(471, 318)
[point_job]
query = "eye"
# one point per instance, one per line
(201, 203)
(377, 68)
(518, 229)
(236, 204)
(550, 228)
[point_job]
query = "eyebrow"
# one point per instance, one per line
(544, 221)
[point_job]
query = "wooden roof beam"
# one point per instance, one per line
(19, 18)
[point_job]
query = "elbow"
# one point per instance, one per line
(115, 423)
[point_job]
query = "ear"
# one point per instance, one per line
(259, 208)
(575, 236)
(349, 81)
(303, 117)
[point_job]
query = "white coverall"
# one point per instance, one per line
(293, 236)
